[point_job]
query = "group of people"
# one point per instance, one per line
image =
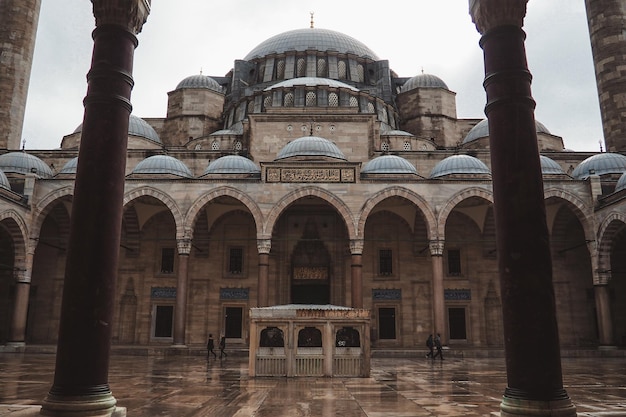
(210, 346)
(433, 343)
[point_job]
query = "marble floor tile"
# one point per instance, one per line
(189, 386)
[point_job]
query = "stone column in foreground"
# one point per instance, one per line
(82, 365)
(533, 362)
(180, 315)
(436, 255)
(356, 249)
(264, 247)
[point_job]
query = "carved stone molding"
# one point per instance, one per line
(356, 246)
(436, 247)
(184, 246)
(601, 278)
(264, 245)
(489, 14)
(131, 14)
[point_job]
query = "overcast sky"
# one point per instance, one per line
(184, 37)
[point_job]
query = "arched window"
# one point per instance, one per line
(310, 337)
(280, 69)
(322, 68)
(215, 146)
(354, 102)
(311, 98)
(237, 145)
(301, 67)
(251, 106)
(333, 100)
(342, 70)
(272, 337)
(347, 337)
(360, 73)
(406, 146)
(267, 102)
(288, 100)
(384, 147)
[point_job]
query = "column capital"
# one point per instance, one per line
(264, 246)
(489, 14)
(183, 246)
(356, 246)
(436, 247)
(131, 14)
(22, 276)
(601, 277)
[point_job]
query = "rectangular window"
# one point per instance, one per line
(235, 261)
(386, 323)
(167, 260)
(163, 321)
(454, 262)
(385, 262)
(456, 321)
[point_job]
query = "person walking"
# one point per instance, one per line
(210, 345)
(430, 344)
(222, 347)
(438, 346)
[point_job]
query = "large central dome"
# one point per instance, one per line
(300, 40)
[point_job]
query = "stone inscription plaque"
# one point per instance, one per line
(319, 175)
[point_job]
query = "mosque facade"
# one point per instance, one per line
(312, 173)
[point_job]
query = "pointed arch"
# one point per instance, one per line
(580, 209)
(44, 206)
(338, 204)
(163, 198)
(455, 200)
(420, 203)
(202, 201)
(15, 225)
(606, 234)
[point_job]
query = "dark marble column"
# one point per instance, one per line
(533, 362)
(82, 364)
(264, 246)
(356, 248)
(603, 309)
(180, 316)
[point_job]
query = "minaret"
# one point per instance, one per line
(18, 27)
(607, 30)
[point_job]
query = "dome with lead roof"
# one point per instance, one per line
(389, 164)
(459, 165)
(481, 130)
(232, 164)
(322, 40)
(136, 127)
(70, 167)
(24, 163)
(600, 164)
(4, 181)
(200, 81)
(311, 82)
(621, 183)
(423, 81)
(162, 165)
(550, 167)
(311, 146)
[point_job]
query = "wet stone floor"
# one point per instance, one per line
(190, 386)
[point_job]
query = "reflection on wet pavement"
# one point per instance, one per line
(399, 387)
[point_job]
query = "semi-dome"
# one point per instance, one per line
(136, 127)
(232, 164)
(621, 183)
(459, 165)
(23, 163)
(481, 130)
(389, 164)
(4, 181)
(423, 81)
(162, 165)
(311, 146)
(600, 164)
(549, 166)
(301, 40)
(311, 82)
(200, 81)
(70, 167)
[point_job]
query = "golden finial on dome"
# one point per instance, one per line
(312, 22)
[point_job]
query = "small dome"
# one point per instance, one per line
(321, 40)
(162, 165)
(389, 164)
(4, 181)
(311, 82)
(136, 127)
(70, 166)
(311, 146)
(200, 81)
(232, 164)
(423, 81)
(393, 132)
(481, 130)
(549, 166)
(600, 164)
(23, 163)
(459, 165)
(621, 183)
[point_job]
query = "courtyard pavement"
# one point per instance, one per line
(191, 386)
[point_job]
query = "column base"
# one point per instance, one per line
(82, 406)
(513, 407)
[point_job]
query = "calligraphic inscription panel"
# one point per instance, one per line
(318, 175)
(310, 272)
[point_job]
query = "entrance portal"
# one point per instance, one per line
(310, 268)
(310, 294)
